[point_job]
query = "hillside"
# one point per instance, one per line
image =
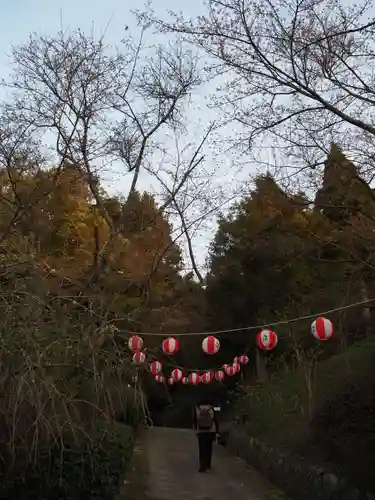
(332, 424)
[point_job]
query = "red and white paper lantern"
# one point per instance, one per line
(237, 367)
(170, 346)
(267, 339)
(322, 328)
(194, 378)
(207, 377)
(171, 381)
(185, 380)
(176, 374)
(244, 359)
(219, 375)
(139, 357)
(155, 367)
(230, 370)
(210, 345)
(135, 343)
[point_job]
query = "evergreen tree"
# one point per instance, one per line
(344, 194)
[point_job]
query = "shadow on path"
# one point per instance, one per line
(165, 467)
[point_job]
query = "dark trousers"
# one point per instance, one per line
(205, 442)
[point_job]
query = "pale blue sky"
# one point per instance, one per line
(20, 17)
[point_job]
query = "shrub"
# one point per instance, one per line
(83, 466)
(337, 431)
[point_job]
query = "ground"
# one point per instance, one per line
(165, 467)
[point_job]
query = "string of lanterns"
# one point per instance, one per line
(267, 339)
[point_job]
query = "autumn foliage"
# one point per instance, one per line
(71, 292)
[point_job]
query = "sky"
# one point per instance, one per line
(45, 17)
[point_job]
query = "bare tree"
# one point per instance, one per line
(20, 155)
(93, 104)
(152, 99)
(299, 73)
(183, 190)
(63, 85)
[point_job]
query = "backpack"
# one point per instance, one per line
(205, 418)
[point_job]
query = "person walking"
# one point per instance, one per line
(207, 428)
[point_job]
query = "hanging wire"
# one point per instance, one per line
(258, 327)
(155, 357)
(211, 369)
(251, 327)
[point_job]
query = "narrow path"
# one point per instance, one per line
(165, 467)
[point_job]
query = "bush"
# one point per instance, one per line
(343, 430)
(331, 424)
(81, 467)
(280, 411)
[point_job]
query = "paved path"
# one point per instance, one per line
(165, 467)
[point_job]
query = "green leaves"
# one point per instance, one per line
(274, 256)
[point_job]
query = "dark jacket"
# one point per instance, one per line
(215, 425)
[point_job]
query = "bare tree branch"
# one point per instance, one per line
(101, 106)
(172, 193)
(290, 66)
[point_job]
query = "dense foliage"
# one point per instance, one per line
(68, 302)
(76, 467)
(276, 257)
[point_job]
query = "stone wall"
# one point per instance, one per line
(299, 479)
